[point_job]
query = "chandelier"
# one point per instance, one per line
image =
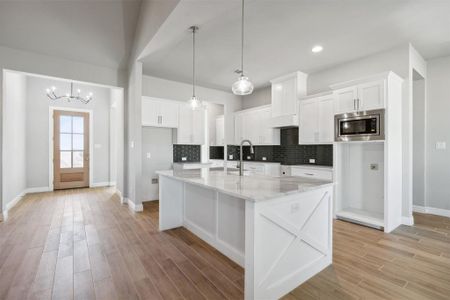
(69, 96)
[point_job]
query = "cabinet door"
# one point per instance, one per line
(198, 126)
(345, 100)
(308, 121)
(185, 125)
(150, 112)
(220, 131)
(371, 95)
(289, 97)
(266, 133)
(326, 120)
(284, 97)
(169, 114)
(277, 99)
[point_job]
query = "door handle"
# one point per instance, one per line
(354, 104)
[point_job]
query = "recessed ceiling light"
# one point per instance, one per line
(317, 49)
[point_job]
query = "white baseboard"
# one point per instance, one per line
(134, 207)
(102, 184)
(408, 221)
(12, 203)
(432, 210)
(41, 189)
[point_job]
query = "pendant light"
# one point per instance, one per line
(243, 86)
(194, 101)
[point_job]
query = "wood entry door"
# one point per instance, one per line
(70, 149)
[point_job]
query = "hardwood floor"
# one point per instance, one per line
(84, 244)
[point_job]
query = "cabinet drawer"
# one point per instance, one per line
(312, 173)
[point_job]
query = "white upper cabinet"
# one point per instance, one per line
(191, 127)
(159, 112)
(346, 99)
(364, 96)
(220, 131)
(371, 95)
(286, 91)
(253, 124)
(316, 120)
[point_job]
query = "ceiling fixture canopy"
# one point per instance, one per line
(317, 49)
(69, 96)
(243, 86)
(194, 101)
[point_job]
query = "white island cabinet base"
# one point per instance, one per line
(281, 242)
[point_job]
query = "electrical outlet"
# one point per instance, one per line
(374, 167)
(184, 158)
(230, 156)
(249, 157)
(149, 155)
(264, 158)
(155, 180)
(312, 160)
(441, 145)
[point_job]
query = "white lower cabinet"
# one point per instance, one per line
(311, 172)
(316, 120)
(191, 127)
(254, 125)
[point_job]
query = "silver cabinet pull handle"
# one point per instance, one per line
(309, 174)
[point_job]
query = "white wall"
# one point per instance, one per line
(37, 134)
(262, 96)
(14, 142)
(117, 138)
(158, 143)
(419, 142)
(438, 129)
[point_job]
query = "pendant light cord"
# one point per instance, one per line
(242, 39)
(194, 29)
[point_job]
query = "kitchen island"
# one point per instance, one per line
(278, 228)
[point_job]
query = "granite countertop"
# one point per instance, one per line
(254, 187)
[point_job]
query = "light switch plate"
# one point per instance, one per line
(97, 146)
(149, 155)
(184, 158)
(441, 145)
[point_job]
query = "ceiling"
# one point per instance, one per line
(281, 33)
(98, 32)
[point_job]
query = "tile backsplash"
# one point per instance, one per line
(216, 152)
(192, 153)
(287, 155)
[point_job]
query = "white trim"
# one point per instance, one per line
(16, 200)
(432, 210)
(50, 141)
(408, 221)
(40, 189)
(64, 79)
(102, 184)
(134, 207)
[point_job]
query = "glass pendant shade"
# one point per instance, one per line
(194, 102)
(243, 86)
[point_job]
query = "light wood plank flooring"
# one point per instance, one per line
(84, 244)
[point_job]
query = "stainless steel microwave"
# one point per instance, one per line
(359, 126)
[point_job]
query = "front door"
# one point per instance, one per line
(71, 149)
